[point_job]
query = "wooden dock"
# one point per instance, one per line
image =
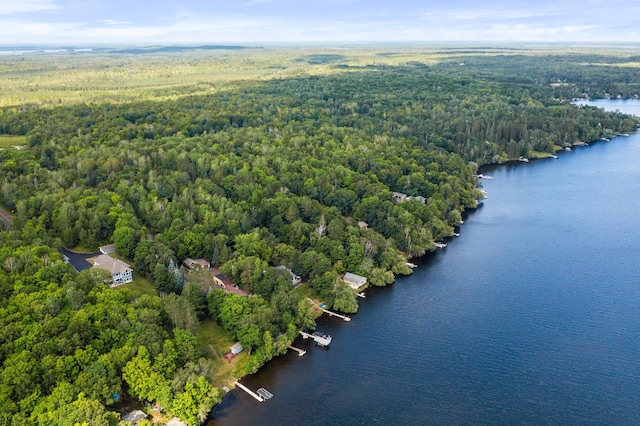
(300, 351)
(249, 391)
(333, 314)
(321, 340)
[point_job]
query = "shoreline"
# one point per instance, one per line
(493, 166)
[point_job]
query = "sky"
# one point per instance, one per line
(264, 21)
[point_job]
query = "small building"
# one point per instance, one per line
(221, 279)
(354, 281)
(236, 348)
(196, 263)
(295, 279)
(109, 248)
(399, 197)
(363, 225)
(134, 416)
(121, 273)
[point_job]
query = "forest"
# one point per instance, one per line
(251, 159)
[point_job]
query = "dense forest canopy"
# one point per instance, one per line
(286, 160)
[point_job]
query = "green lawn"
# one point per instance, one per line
(305, 290)
(7, 141)
(140, 285)
(215, 343)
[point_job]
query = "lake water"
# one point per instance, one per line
(531, 316)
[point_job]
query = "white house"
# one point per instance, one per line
(354, 281)
(120, 271)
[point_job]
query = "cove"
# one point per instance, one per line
(529, 317)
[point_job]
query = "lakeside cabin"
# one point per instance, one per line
(354, 281)
(121, 273)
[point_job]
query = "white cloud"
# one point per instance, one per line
(114, 22)
(10, 7)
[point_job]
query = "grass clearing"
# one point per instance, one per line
(305, 290)
(215, 342)
(140, 284)
(9, 141)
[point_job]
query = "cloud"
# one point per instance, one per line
(114, 22)
(9, 7)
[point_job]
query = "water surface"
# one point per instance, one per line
(529, 317)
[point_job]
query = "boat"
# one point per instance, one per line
(552, 156)
(567, 148)
(456, 234)
(481, 176)
(411, 265)
(440, 244)
(523, 160)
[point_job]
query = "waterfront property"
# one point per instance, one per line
(121, 273)
(295, 279)
(354, 281)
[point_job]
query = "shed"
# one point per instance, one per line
(354, 281)
(237, 348)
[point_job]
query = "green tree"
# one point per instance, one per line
(194, 404)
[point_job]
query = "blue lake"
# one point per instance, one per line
(531, 316)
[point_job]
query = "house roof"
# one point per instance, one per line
(114, 266)
(353, 278)
(217, 273)
(134, 416)
(109, 248)
(188, 262)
